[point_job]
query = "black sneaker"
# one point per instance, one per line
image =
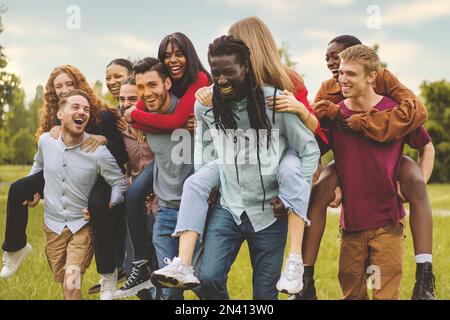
(309, 290)
(425, 283)
(121, 277)
(138, 280)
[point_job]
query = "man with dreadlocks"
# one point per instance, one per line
(248, 182)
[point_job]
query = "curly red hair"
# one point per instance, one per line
(48, 111)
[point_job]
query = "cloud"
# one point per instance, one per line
(338, 3)
(321, 35)
(414, 12)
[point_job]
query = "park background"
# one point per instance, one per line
(410, 36)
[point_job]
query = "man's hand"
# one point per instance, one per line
(127, 114)
(91, 144)
(86, 214)
(337, 198)
(400, 194)
(34, 202)
(347, 124)
(55, 132)
(204, 96)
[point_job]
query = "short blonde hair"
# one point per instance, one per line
(362, 54)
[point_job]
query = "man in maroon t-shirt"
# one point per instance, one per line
(372, 217)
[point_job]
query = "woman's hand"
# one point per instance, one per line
(34, 202)
(127, 114)
(204, 96)
(191, 124)
(55, 132)
(286, 102)
(337, 198)
(122, 125)
(91, 144)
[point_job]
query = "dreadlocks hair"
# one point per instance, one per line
(224, 118)
(256, 106)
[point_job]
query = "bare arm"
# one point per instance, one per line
(426, 160)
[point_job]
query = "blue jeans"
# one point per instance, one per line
(136, 211)
(166, 246)
(222, 242)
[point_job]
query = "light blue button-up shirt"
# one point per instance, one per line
(240, 174)
(70, 174)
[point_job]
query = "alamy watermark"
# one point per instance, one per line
(73, 21)
(374, 17)
(229, 147)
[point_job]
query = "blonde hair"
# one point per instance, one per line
(264, 56)
(363, 55)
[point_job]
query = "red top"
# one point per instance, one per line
(301, 94)
(147, 122)
(367, 173)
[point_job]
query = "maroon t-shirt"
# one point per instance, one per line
(367, 173)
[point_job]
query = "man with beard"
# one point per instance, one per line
(70, 175)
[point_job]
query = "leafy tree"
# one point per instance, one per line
(9, 82)
(283, 51)
(23, 146)
(376, 48)
(436, 96)
(34, 108)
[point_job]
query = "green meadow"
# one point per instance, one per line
(34, 281)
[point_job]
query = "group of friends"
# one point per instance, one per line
(166, 186)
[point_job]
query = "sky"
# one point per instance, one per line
(40, 35)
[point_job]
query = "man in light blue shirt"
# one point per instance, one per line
(249, 143)
(70, 175)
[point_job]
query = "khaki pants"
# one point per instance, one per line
(69, 250)
(379, 251)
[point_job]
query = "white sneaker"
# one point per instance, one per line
(175, 275)
(108, 285)
(13, 260)
(291, 280)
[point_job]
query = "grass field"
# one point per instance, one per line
(34, 281)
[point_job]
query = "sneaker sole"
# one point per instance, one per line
(27, 250)
(281, 290)
(132, 291)
(171, 282)
(96, 289)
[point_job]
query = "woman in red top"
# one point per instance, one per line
(187, 74)
(268, 70)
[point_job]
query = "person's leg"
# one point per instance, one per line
(387, 249)
(17, 213)
(137, 222)
(322, 193)
(222, 242)
(136, 211)
(120, 232)
(166, 246)
(79, 254)
(294, 192)
(414, 189)
(266, 253)
(353, 261)
(194, 209)
(56, 253)
(102, 227)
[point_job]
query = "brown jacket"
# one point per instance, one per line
(377, 125)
